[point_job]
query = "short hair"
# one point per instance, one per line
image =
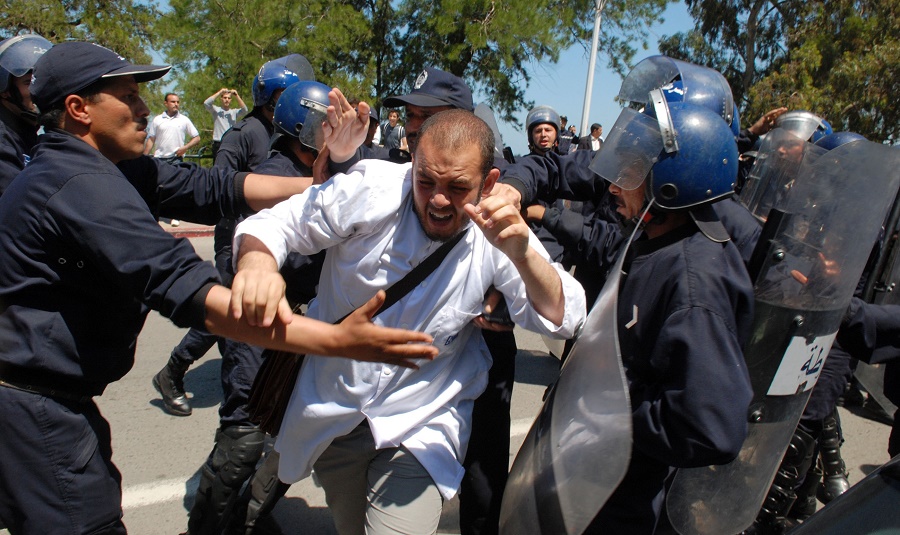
(455, 129)
(596, 126)
(53, 117)
(393, 110)
(166, 98)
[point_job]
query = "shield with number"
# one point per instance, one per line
(578, 448)
(821, 220)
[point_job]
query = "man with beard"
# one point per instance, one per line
(388, 445)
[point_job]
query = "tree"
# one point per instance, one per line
(839, 59)
(495, 45)
(742, 39)
(125, 26)
(374, 48)
(843, 63)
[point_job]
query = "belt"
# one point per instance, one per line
(29, 381)
(48, 392)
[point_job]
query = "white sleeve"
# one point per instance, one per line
(327, 214)
(192, 130)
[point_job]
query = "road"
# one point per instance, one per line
(159, 455)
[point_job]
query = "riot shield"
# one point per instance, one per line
(579, 446)
(486, 114)
(779, 159)
(829, 214)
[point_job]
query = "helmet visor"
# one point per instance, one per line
(632, 148)
(19, 54)
(312, 134)
(799, 123)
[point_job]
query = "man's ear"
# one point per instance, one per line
(490, 180)
(76, 109)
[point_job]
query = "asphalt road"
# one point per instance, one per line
(159, 455)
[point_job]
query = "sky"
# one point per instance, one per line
(562, 85)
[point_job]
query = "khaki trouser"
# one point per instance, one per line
(377, 492)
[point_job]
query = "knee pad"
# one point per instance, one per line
(238, 449)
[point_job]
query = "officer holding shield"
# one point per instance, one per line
(680, 321)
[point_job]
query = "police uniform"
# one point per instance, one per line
(688, 383)
(693, 316)
(75, 289)
(243, 148)
(17, 137)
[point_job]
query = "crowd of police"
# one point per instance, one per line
(731, 275)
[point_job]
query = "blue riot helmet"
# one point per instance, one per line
(279, 74)
(736, 122)
(541, 115)
(690, 83)
(300, 112)
(684, 150)
(17, 58)
(805, 125)
(835, 140)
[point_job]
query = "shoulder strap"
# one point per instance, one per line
(412, 279)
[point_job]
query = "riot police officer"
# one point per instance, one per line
(18, 115)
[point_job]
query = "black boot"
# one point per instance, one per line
(834, 481)
(169, 382)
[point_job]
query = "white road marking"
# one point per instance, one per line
(167, 490)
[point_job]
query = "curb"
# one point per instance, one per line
(196, 232)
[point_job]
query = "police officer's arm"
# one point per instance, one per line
(870, 332)
(265, 191)
(356, 337)
(507, 230)
(257, 298)
(552, 177)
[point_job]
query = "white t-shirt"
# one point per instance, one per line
(170, 133)
(223, 119)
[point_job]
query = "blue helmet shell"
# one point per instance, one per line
(704, 168)
(835, 140)
(298, 103)
(279, 74)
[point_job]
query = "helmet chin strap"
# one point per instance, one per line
(648, 215)
(14, 98)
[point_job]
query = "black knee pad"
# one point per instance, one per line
(238, 449)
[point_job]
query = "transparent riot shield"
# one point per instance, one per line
(579, 446)
(777, 165)
(819, 231)
(486, 114)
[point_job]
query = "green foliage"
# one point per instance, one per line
(843, 64)
(125, 26)
(371, 49)
(838, 58)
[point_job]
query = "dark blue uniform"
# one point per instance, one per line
(17, 138)
(693, 316)
(82, 261)
(243, 148)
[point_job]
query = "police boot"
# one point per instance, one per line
(169, 382)
(834, 480)
(230, 464)
(258, 499)
(806, 503)
(772, 517)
